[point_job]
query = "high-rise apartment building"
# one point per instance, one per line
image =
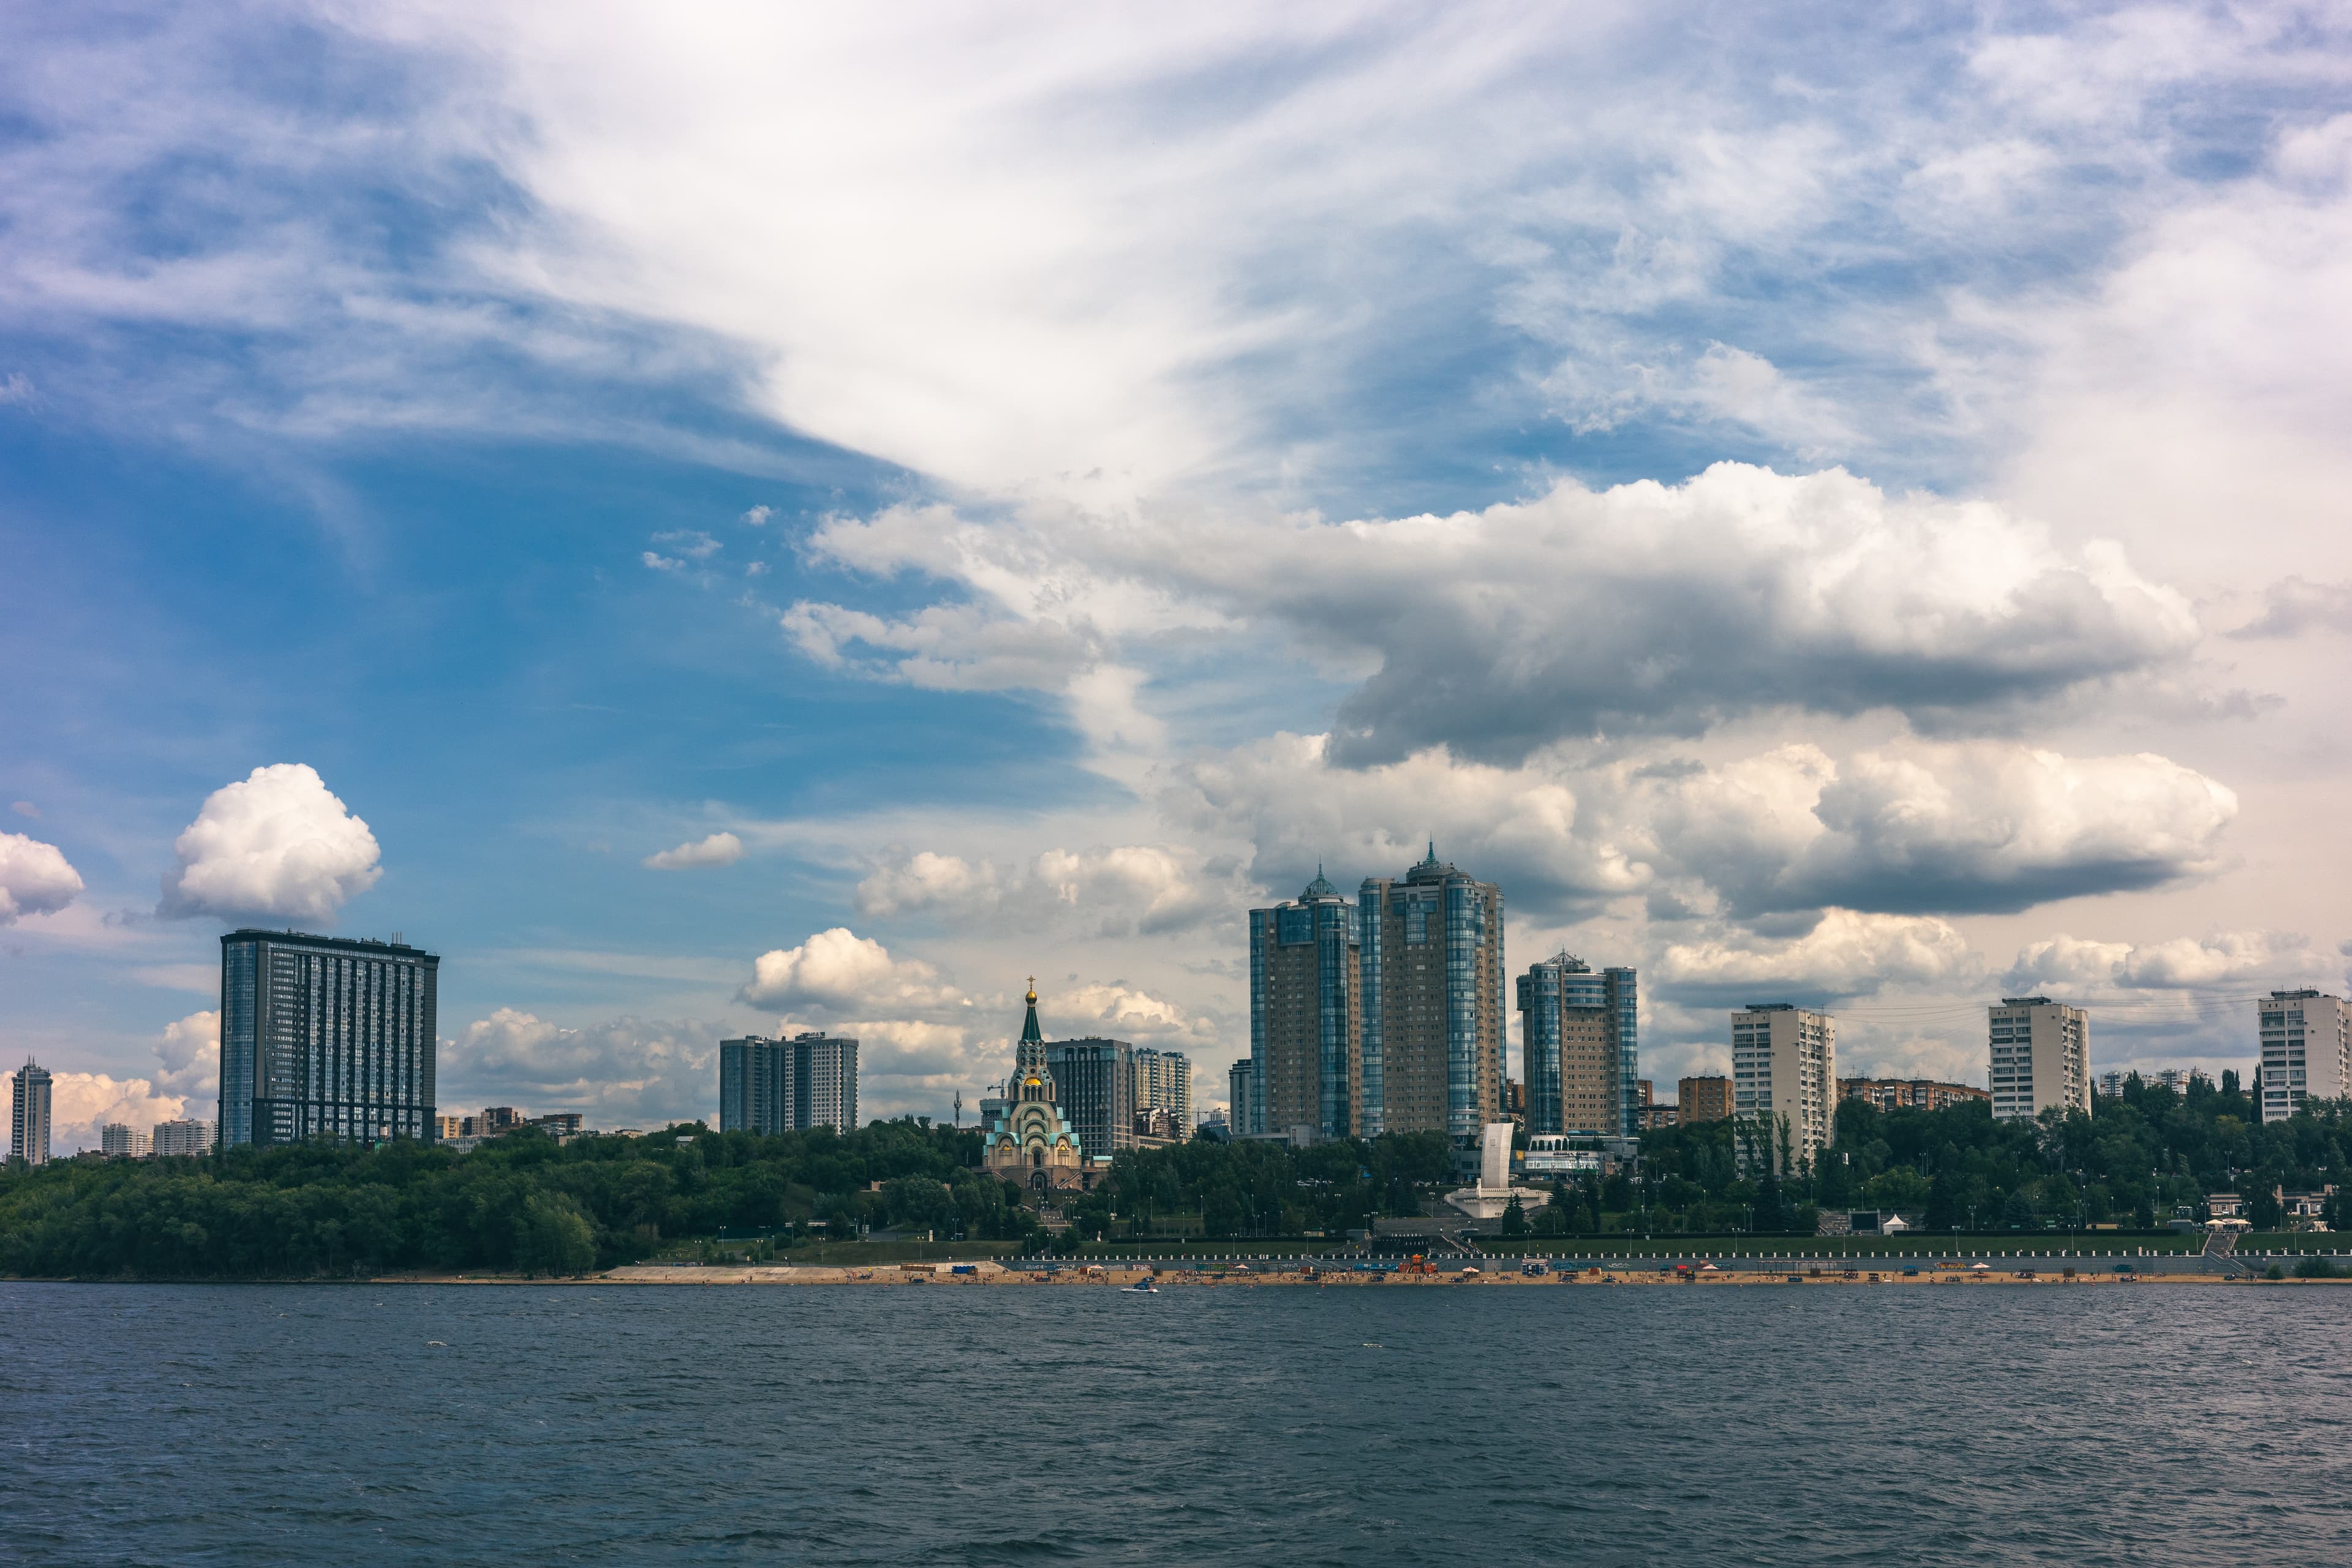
(188, 1136)
(1164, 1079)
(827, 1068)
(2041, 1057)
(1568, 1020)
(1784, 1074)
(325, 1035)
(2306, 1045)
(1305, 1028)
(1241, 1097)
(28, 1114)
(119, 1140)
(1434, 1034)
(1096, 1083)
(1703, 1099)
(786, 1085)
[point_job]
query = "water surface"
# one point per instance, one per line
(1387, 1425)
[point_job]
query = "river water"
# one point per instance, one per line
(1244, 1425)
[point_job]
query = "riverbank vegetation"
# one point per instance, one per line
(525, 1204)
(520, 1203)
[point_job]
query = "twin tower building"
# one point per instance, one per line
(1385, 1014)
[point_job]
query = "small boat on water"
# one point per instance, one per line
(1145, 1286)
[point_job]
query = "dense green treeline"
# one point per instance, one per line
(524, 1202)
(521, 1202)
(2138, 1159)
(1256, 1188)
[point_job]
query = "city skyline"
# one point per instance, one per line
(1842, 509)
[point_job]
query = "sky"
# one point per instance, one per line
(729, 519)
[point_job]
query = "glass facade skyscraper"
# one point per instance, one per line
(1575, 1036)
(324, 1036)
(1433, 1040)
(1306, 1036)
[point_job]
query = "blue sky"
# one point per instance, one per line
(1847, 511)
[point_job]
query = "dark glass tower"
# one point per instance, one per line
(1306, 1034)
(325, 1035)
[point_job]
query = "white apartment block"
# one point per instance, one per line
(118, 1141)
(2041, 1057)
(1784, 1068)
(188, 1136)
(2307, 1050)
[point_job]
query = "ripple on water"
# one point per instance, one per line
(266, 1425)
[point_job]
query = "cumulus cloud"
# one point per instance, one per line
(1972, 827)
(1847, 952)
(1911, 828)
(35, 878)
(82, 1103)
(1284, 796)
(1645, 608)
(1109, 891)
(276, 843)
(840, 973)
(717, 850)
(628, 1071)
(2179, 963)
(188, 1056)
(754, 517)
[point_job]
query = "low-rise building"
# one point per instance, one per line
(559, 1124)
(1657, 1116)
(1909, 1093)
(1704, 1099)
(2225, 1205)
(2303, 1211)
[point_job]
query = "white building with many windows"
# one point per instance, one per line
(120, 1141)
(1784, 1070)
(2307, 1043)
(2041, 1057)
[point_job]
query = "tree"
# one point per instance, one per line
(1944, 1211)
(1515, 1219)
(2017, 1213)
(554, 1238)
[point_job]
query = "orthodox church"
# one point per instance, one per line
(1029, 1140)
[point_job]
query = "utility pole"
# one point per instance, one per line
(959, 1111)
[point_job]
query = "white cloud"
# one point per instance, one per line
(1970, 826)
(1642, 608)
(25, 808)
(189, 1056)
(1847, 952)
(81, 1103)
(1114, 891)
(276, 843)
(758, 515)
(842, 974)
(690, 542)
(628, 1071)
(1284, 797)
(35, 878)
(717, 850)
(2180, 962)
